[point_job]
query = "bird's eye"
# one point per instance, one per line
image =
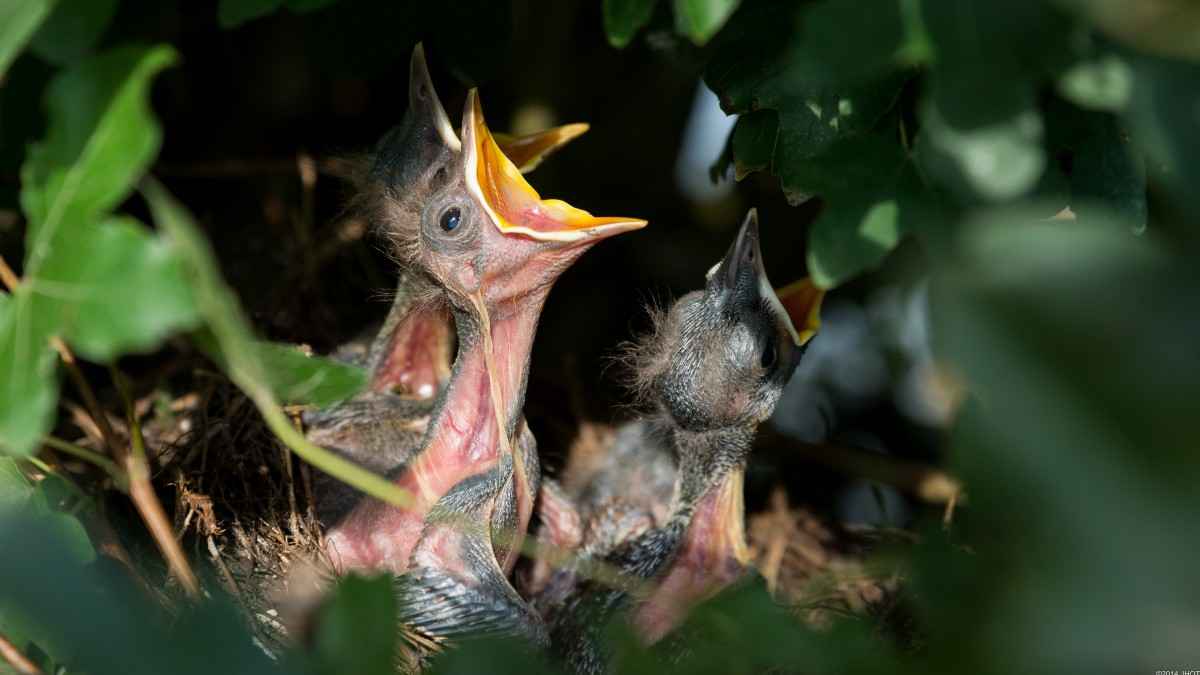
(768, 355)
(451, 219)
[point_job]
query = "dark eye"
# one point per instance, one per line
(450, 219)
(768, 355)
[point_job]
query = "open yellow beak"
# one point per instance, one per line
(802, 302)
(527, 152)
(514, 206)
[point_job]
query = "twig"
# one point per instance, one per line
(146, 501)
(10, 279)
(115, 447)
(16, 659)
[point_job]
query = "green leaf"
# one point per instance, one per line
(1104, 170)
(624, 18)
(856, 39)
(106, 288)
(19, 19)
(15, 488)
(73, 29)
(845, 241)
(1162, 116)
(357, 628)
(754, 139)
(233, 13)
(102, 136)
(28, 372)
(760, 63)
(989, 57)
(701, 19)
(294, 376)
(1103, 83)
(119, 289)
(297, 377)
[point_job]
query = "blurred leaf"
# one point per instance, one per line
(233, 13)
(624, 18)
(19, 19)
(1103, 83)
(1162, 116)
(1105, 171)
(845, 241)
(15, 488)
(754, 139)
(74, 27)
(1077, 340)
(102, 136)
(121, 289)
(701, 19)
(992, 163)
(357, 630)
(989, 57)
(28, 372)
(93, 616)
(494, 656)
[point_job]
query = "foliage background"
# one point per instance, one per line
(942, 141)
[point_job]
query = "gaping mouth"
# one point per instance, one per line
(512, 204)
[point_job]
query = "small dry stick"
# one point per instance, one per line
(146, 501)
(16, 659)
(10, 279)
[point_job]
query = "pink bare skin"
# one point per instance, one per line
(418, 357)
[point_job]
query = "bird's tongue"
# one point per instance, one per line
(713, 554)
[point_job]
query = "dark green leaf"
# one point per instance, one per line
(754, 140)
(233, 13)
(73, 29)
(19, 19)
(857, 39)
(701, 19)
(1162, 116)
(15, 488)
(357, 629)
(624, 18)
(300, 378)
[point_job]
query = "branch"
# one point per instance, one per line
(146, 501)
(91, 456)
(14, 658)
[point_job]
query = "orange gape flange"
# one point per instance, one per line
(514, 206)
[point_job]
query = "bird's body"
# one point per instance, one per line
(712, 370)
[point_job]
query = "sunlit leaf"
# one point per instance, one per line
(624, 18)
(992, 163)
(101, 137)
(1103, 83)
(701, 19)
(73, 29)
(19, 19)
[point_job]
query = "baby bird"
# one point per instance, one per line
(409, 358)
(713, 368)
(492, 248)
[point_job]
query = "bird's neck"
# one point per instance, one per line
(708, 549)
